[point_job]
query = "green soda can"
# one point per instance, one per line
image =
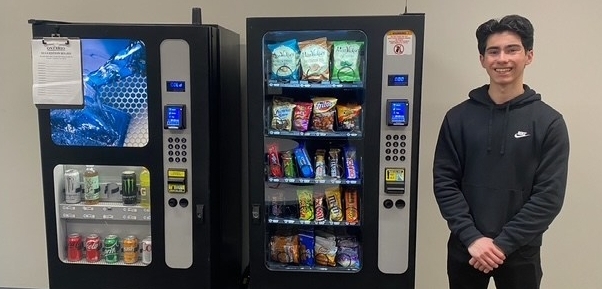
(111, 248)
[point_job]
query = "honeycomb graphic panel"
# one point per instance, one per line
(129, 95)
(115, 111)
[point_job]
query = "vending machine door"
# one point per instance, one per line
(313, 140)
(131, 195)
(318, 210)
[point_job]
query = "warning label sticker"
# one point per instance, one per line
(399, 42)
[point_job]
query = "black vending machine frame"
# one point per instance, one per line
(375, 28)
(216, 135)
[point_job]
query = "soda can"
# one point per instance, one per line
(129, 189)
(73, 189)
(130, 250)
(147, 250)
(92, 246)
(110, 248)
(74, 247)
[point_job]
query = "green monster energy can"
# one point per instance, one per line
(110, 249)
(129, 190)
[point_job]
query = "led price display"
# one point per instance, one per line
(397, 79)
(176, 86)
(397, 112)
(175, 117)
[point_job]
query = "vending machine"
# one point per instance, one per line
(141, 182)
(334, 120)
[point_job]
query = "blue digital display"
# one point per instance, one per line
(176, 86)
(397, 112)
(397, 80)
(175, 117)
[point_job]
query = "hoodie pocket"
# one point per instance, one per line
(492, 208)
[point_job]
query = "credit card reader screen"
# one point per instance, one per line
(175, 117)
(397, 112)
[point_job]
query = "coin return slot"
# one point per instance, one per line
(400, 204)
(388, 203)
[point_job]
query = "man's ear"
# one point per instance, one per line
(481, 58)
(529, 57)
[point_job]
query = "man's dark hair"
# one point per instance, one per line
(512, 23)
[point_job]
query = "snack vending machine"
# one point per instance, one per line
(334, 118)
(141, 183)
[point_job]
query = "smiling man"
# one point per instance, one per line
(500, 167)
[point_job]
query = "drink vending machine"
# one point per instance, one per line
(334, 106)
(141, 183)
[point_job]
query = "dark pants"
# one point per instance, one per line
(521, 270)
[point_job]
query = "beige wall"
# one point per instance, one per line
(566, 70)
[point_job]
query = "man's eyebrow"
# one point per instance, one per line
(513, 46)
(507, 46)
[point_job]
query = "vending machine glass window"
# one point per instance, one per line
(103, 214)
(314, 94)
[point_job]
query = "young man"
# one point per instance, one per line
(500, 167)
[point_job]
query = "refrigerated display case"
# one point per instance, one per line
(138, 183)
(334, 118)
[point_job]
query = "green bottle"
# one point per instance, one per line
(145, 188)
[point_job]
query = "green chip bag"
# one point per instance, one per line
(346, 60)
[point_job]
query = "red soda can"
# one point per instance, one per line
(74, 247)
(92, 246)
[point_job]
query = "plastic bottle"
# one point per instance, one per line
(145, 188)
(91, 186)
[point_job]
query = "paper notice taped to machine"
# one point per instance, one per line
(57, 72)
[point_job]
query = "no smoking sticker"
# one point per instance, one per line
(399, 42)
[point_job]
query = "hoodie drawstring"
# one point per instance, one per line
(505, 130)
(489, 129)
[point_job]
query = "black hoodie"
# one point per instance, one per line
(500, 170)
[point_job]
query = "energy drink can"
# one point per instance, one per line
(129, 189)
(73, 189)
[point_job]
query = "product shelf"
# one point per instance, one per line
(104, 211)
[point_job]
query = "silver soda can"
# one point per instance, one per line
(147, 250)
(73, 189)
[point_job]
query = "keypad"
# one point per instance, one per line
(177, 150)
(395, 144)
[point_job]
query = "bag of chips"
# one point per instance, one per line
(285, 60)
(346, 60)
(315, 60)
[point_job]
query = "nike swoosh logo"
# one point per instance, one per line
(521, 134)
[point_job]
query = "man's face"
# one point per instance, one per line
(505, 59)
